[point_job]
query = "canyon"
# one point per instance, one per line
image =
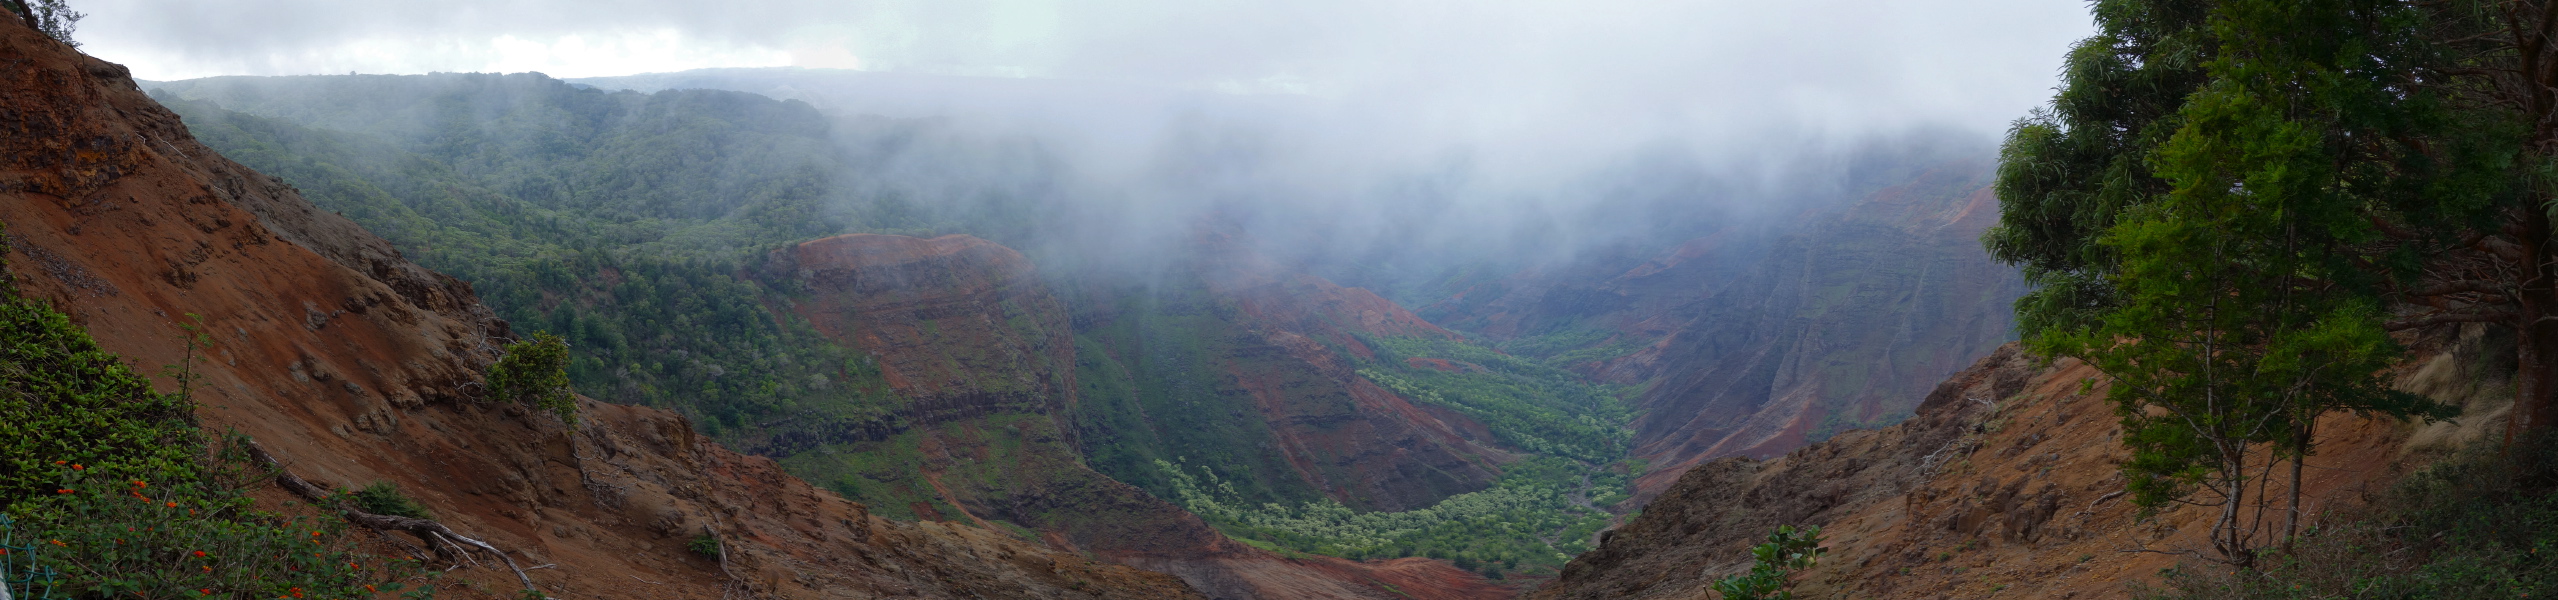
(979, 424)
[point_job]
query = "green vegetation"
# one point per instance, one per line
(2207, 215)
(108, 488)
(626, 224)
(53, 17)
(1529, 522)
(705, 545)
(1771, 576)
(384, 498)
(1528, 405)
(1154, 381)
(636, 229)
(2481, 524)
(534, 373)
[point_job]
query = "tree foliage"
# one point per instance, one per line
(2219, 253)
(53, 17)
(534, 372)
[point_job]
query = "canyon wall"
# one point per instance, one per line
(356, 366)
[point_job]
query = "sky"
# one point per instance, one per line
(1478, 64)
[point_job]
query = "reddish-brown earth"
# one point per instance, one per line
(965, 329)
(2004, 486)
(358, 366)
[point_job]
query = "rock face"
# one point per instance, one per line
(1747, 345)
(357, 366)
(982, 360)
(2004, 484)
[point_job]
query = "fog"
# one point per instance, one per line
(1342, 130)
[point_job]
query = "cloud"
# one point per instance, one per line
(1469, 116)
(1482, 66)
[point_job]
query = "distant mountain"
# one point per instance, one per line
(1753, 343)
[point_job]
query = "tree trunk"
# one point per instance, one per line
(2536, 343)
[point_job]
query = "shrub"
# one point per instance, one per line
(705, 545)
(384, 498)
(102, 536)
(534, 372)
(1788, 551)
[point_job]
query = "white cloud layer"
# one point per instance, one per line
(1480, 66)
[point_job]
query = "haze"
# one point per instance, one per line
(1470, 117)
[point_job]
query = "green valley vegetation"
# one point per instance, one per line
(1542, 512)
(108, 489)
(1528, 404)
(2231, 204)
(1533, 521)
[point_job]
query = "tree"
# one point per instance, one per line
(2501, 266)
(2224, 262)
(52, 17)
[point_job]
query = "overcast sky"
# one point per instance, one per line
(1486, 63)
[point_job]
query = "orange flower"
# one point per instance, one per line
(62, 491)
(199, 554)
(77, 467)
(173, 505)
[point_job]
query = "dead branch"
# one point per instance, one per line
(427, 530)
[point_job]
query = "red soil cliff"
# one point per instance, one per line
(356, 366)
(2004, 485)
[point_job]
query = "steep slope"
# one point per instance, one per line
(981, 359)
(1237, 366)
(1750, 343)
(359, 366)
(2004, 485)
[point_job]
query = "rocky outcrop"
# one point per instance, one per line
(357, 366)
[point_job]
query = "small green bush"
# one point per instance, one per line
(534, 372)
(384, 498)
(705, 545)
(1788, 551)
